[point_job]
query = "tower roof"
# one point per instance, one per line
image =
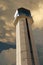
(22, 13)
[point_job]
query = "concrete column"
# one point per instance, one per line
(34, 49)
(23, 55)
(26, 53)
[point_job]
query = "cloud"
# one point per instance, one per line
(38, 16)
(3, 7)
(12, 5)
(40, 53)
(30, 4)
(7, 29)
(38, 35)
(8, 57)
(36, 7)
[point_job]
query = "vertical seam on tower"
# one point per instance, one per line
(32, 57)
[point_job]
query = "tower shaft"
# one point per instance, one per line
(26, 53)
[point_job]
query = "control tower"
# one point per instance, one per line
(26, 52)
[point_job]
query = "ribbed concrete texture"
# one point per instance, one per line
(26, 53)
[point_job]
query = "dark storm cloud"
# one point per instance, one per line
(8, 57)
(2, 30)
(39, 36)
(6, 46)
(40, 53)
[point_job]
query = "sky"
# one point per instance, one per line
(7, 28)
